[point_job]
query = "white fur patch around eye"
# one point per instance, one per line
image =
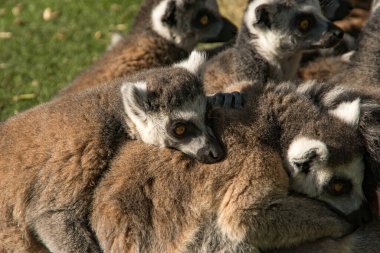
(301, 147)
(194, 63)
(348, 112)
(156, 19)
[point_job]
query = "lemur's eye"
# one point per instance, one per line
(305, 22)
(304, 25)
(180, 130)
(339, 187)
(204, 20)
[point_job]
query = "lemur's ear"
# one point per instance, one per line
(194, 63)
(163, 18)
(348, 112)
(263, 14)
(134, 96)
(304, 153)
(165, 13)
(169, 16)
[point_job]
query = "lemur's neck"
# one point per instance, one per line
(281, 66)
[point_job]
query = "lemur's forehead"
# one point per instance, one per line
(172, 79)
(171, 88)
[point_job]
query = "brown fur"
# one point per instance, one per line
(137, 52)
(322, 69)
(51, 155)
(155, 200)
(363, 240)
(54, 155)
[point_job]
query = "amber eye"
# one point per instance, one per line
(204, 20)
(304, 25)
(338, 187)
(180, 130)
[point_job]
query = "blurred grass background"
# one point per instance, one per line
(44, 44)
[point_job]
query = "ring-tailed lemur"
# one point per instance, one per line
(241, 204)
(360, 80)
(54, 154)
(270, 42)
(164, 32)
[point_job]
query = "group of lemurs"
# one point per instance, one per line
(159, 148)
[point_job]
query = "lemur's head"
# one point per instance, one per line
(285, 27)
(187, 22)
(167, 107)
(327, 164)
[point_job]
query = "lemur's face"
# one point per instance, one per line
(168, 109)
(187, 22)
(185, 129)
(291, 25)
(313, 173)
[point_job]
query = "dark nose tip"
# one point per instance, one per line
(211, 153)
(361, 216)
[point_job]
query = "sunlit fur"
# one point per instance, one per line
(268, 52)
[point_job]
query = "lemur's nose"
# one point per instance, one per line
(361, 216)
(336, 31)
(211, 153)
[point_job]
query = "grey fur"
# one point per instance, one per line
(359, 79)
(242, 204)
(270, 50)
(54, 155)
(147, 46)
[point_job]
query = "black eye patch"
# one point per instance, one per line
(339, 186)
(304, 22)
(203, 19)
(182, 130)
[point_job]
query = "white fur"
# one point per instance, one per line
(250, 16)
(302, 146)
(267, 42)
(194, 63)
(284, 64)
(349, 112)
(157, 24)
(306, 86)
(375, 6)
(333, 94)
(115, 39)
(147, 128)
(347, 56)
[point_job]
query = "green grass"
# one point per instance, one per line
(42, 56)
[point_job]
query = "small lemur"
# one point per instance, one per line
(272, 37)
(164, 32)
(171, 204)
(53, 155)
